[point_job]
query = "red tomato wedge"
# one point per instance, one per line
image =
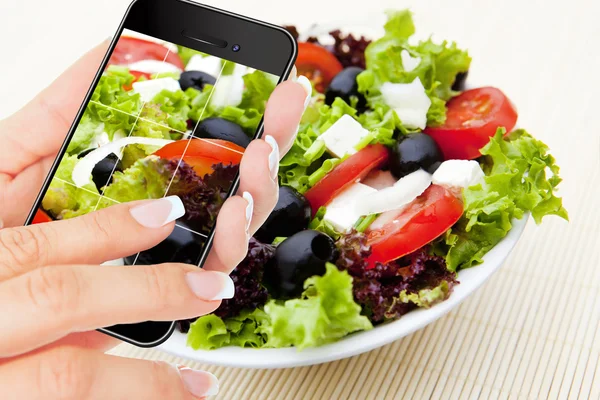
(136, 77)
(129, 50)
(202, 154)
(317, 64)
(472, 118)
(355, 167)
(41, 217)
(426, 218)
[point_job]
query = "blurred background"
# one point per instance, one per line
(533, 330)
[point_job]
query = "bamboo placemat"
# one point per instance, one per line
(533, 330)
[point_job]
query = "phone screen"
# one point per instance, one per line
(162, 120)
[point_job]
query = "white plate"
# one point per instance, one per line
(360, 342)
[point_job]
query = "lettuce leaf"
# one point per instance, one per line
(211, 332)
(63, 199)
(86, 131)
(437, 70)
(520, 177)
(325, 312)
(304, 157)
(258, 88)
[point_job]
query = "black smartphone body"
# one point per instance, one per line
(178, 96)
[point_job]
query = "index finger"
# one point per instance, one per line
(284, 111)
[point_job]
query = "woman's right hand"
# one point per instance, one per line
(54, 295)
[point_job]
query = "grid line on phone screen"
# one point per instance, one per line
(190, 138)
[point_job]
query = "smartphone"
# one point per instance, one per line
(177, 98)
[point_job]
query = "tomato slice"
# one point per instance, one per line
(129, 50)
(41, 217)
(202, 154)
(136, 77)
(426, 218)
(318, 64)
(355, 167)
(472, 118)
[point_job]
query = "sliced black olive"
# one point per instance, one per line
(181, 246)
(102, 172)
(196, 80)
(297, 258)
(219, 128)
(414, 151)
(460, 80)
(290, 215)
(344, 85)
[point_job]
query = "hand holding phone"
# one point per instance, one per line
(74, 242)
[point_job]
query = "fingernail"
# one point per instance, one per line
(157, 213)
(305, 83)
(198, 383)
(249, 209)
(210, 285)
(273, 156)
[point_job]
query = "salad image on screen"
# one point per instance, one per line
(163, 120)
(399, 178)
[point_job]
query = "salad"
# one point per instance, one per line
(398, 179)
(163, 120)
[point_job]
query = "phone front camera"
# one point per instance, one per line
(236, 47)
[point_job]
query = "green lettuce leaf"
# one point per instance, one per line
(437, 70)
(211, 332)
(86, 131)
(426, 297)
(147, 178)
(258, 87)
(325, 312)
(520, 177)
(63, 199)
(304, 157)
(185, 53)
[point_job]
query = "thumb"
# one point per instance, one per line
(117, 231)
(38, 129)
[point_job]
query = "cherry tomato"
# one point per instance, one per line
(202, 154)
(420, 222)
(136, 77)
(40, 217)
(472, 118)
(317, 64)
(355, 167)
(129, 50)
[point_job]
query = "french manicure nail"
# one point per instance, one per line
(198, 383)
(157, 213)
(305, 83)
(210, 285)
(249, 209)
(273, 156)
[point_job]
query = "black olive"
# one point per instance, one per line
(344, 85)
(290, 215)
(195, 79)
(414, 151)
(297, 258)
(219, 128)
(181, 246)
(102, 172)
(460, 80)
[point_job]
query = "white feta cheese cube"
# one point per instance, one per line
(209, 64)
(341, 137)
(153, 67)
(150, 88)
(409, 62)
(342, 213)
(458, 174)
(228, 91)
(409, 101)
